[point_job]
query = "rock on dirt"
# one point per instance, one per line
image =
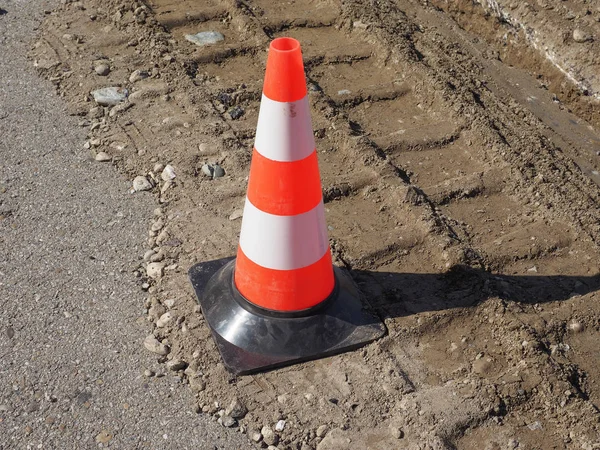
(205, 38)
(155, 346)
(269, 436)
(102, 69)
(102, 157)
(110, 96)
(141, 183)
(581, 36)
(236, 409)
(138, 75)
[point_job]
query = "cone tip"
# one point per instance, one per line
(284, 44)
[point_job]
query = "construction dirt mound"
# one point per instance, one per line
(460, 168)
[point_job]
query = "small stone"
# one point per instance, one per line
(272, 447)
(141, 183)
(207, 170)
(155, 346)
(164, 320)
(103, 437)
(397, 433)
(344, 92)
(205, 38)
(197, 384)
(148, 373)
(228, 421)
(10, 332)
(102, 69)
(581, 36)
(322, 431)
(236, 112)
(236, 409)
(157, 257)
(102, 157)
(256, 436)
(155, 270)
(158, 224)
(218, 171)
(158, 167)
(269, 437)
(280, 425)
(138, 75)
(168, 173)
(110, 96)
(575, 326)
(176, 364)
(238, 213)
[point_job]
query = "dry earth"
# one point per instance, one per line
(460, 169)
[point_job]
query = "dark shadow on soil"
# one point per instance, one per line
(403, 294)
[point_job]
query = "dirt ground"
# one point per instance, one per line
(460, 154)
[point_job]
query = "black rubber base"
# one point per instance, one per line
(251, 339)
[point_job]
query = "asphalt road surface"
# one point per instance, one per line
(71, 354)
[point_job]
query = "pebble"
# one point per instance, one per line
(141, 183)
(207, 170)
(581, 36)
(168, 173)
(102, 157)
(138, 75)
(228, 421)
(269, 437)
(397, 433)
(158, 225)
(236, 409)
(575, 326)
(205, 38)
(148, 255)
(157, 257)
(322, 431)
(197, 384)
(164, 320)
(344, 92)
(148, 373)
(256, 436)
(155, 346)
(102, 69)
(218, 171)
(155, 270)
(109, 96)
(176, 364)
(236, 112)
(236, 214)
(280, 425)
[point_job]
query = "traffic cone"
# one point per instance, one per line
(281, 300)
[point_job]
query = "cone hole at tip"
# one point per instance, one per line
(285, 44)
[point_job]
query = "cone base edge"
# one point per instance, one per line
(249, 341)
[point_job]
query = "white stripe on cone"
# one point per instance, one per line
(284, 242)
(284, 131)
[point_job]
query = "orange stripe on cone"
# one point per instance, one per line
(284, 290)
(281, 187)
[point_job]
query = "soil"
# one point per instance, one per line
(461, 180)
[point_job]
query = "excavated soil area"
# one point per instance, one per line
(461, 195)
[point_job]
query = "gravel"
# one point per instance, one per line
(69, 295)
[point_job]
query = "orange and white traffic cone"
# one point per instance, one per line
(281, 300)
